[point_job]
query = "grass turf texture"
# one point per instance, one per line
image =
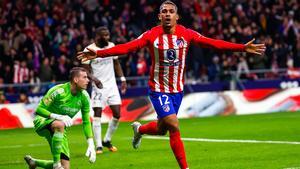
(156, 154)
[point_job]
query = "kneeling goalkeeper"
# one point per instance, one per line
(53, 117)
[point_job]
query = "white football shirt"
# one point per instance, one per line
(103, 68)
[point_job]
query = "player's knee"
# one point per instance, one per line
(117, 115)
(173, 127)
(58, 126)
(97, 115)
(162, 132)
(97, 112)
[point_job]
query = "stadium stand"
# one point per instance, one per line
(39, 39)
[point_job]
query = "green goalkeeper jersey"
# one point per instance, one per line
(60, 100)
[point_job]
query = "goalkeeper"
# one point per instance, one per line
(54, 116)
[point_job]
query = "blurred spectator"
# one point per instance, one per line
(23, 98)
(35, 81)
(141, 68)
(3, 98)
(8, 74)
(214, 69)
(292, 72)
(43, 31)
(62, 68)
(141, 64)
(46, 74)
(21, 72)
(242, 67)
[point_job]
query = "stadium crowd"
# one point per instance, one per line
(39, 39)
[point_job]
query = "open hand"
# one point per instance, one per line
(87, 55)
(90, 152)
(258, 49)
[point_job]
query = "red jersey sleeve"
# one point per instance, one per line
(125, 48)
(213, 43)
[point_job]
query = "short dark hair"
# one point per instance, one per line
(168, 2)
(100, 29)
(75, 72)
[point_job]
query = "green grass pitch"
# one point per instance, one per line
(156, 153)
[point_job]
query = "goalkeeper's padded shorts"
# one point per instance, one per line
(42, 127)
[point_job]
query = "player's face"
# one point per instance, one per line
(82, 80)
(103, 37)
(168, 15)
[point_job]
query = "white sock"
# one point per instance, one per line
(112, 126)
(97, 131)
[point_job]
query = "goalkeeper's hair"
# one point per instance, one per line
(168, 2)
(74, 72)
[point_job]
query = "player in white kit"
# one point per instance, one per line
(102, 71)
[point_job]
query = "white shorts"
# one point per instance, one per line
(105, 96)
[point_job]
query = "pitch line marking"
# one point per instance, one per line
(226, 140)
(30, 145)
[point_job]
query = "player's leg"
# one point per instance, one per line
(43, 128)
(152, 128)
(112, 127)
(166, 107)
(97, 100)
(114, 101)
(34, 163)
(97, 129)
(172, 124)
(58, 128)
(163, 107)
(65, 163)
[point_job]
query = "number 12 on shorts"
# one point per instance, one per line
(163, 99)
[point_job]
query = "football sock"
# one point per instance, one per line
(44, 163)
(149, 128)
(178, 149)
(97, 131)
(112, 127)
(57, 145)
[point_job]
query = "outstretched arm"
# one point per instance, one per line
(87, 128)
(224, 45)
(117, 50)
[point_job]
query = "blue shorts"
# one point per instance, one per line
(165, 103)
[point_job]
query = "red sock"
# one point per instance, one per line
(178, 149)
(149, 128)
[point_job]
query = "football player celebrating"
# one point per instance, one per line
(168, 44)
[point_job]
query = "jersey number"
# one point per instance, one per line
(166, 99)
(97, 96)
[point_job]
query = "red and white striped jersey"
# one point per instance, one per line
(168, 54)
(21, 74)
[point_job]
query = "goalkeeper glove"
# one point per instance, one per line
(90, 152)
(64, 118)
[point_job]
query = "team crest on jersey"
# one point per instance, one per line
(180, 42)
(47, 101)
(171, 54)
(166, 108)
